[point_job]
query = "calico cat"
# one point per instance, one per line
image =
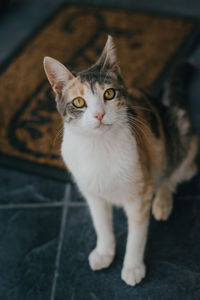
(123, 148)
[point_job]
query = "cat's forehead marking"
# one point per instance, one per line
(102, 87)
(77, 88)
(94, 75)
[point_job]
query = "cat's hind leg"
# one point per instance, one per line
(163, 201)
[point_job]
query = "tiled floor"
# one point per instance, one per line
(29, 240)
(46, 231)
(45, 242)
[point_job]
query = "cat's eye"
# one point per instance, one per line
(79, 102)
(109, 94)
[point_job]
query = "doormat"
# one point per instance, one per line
(31, 128)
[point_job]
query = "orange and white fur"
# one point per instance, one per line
(117, 147)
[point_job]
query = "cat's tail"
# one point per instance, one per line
(178, 84)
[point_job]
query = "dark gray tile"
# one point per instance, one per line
(172, 257)
(75, 195)
(20, 187)
(189, 188)
(28, 246)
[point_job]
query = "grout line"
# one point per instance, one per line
(62, 230)
(77, 204)
(31, 205)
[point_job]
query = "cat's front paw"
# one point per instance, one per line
(133, 276)
(100, 261)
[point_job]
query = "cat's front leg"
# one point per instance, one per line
(101, 211)
(134, 269)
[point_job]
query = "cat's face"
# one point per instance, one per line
(91, 100)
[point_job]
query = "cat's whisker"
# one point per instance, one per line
(139, 127)
(141, 130)
(141, 108)
(142, 121)
(58, 134)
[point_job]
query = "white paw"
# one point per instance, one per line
(133, 276)
(161, 211)
(99, 261)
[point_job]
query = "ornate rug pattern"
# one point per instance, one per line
(30, 125)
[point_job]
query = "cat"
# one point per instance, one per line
(124, 148)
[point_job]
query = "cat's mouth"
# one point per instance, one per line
(103, 126)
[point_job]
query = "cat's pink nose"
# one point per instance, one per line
(99, 116)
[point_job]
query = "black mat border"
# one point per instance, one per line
(43, 170)
(186, 49)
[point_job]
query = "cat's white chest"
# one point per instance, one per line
(102, 166)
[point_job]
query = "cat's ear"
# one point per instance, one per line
(57, 74)
(108, 59)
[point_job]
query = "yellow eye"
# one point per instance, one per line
(78, 102)
(109, 94)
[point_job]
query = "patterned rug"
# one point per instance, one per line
(31, 128)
